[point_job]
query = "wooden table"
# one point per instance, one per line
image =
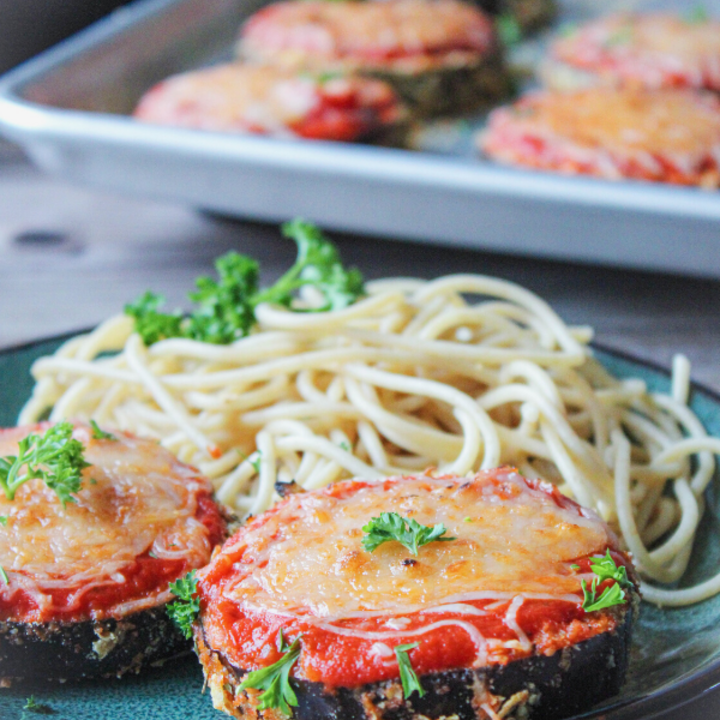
(70, 257)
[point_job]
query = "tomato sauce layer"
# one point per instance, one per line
(660, 135)
(310, 32)
(267, 100)
(506, 586)
(141, 520)
(655, 50)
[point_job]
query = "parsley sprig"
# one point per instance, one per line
(34, 706)
(697, 15)
(225, 308)
(274, 680)
(408, 677)
(508, 30)
(318, 265)
(55, 457)
(605, 568)
(185, 609)
(391, 526)
(99, 434)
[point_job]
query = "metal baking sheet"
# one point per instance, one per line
(69, 109)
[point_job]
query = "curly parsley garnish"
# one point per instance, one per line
(55, 457)
(185, 609)
(622, 36)
(408, 677)
(605, 568)
(34, 706)
(274, 680)
(391, 526)
(508, 30)
(225, 308)
(697, 15)
(99, 434)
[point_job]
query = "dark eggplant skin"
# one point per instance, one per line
(71, 651)
(530, 15)
(539, 687)
(450, 90)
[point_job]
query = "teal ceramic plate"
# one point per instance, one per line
(675, 653)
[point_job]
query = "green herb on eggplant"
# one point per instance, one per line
(410, 533)
(33, 706)
(274, 680)
(55, 457)
(508, 30)
(697, 15)
(185, 609)
(408, 677)
(99, 434)
(605, 568)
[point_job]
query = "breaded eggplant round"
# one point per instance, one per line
(488, 612)
(441, 56)
(85, 584)
(648, 50)
(275, 101)
(658, 135)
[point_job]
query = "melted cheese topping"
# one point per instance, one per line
(656, 49)
(135, 498)
(669, 135)
(260, 99)
(231, 97)
(667, 123)
(304, 33)
(307, 556)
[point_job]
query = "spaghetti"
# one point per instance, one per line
(460, 373)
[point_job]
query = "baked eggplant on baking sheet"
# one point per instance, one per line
(441, 56)
(662, 135)
(652, 50)
(268, 100)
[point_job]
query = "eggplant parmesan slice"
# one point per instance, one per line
(86, 583)
(268, 100)
(495, 613)
(441, 56)
(654, 50)
(657, 135)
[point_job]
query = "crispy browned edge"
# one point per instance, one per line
(539, 687)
